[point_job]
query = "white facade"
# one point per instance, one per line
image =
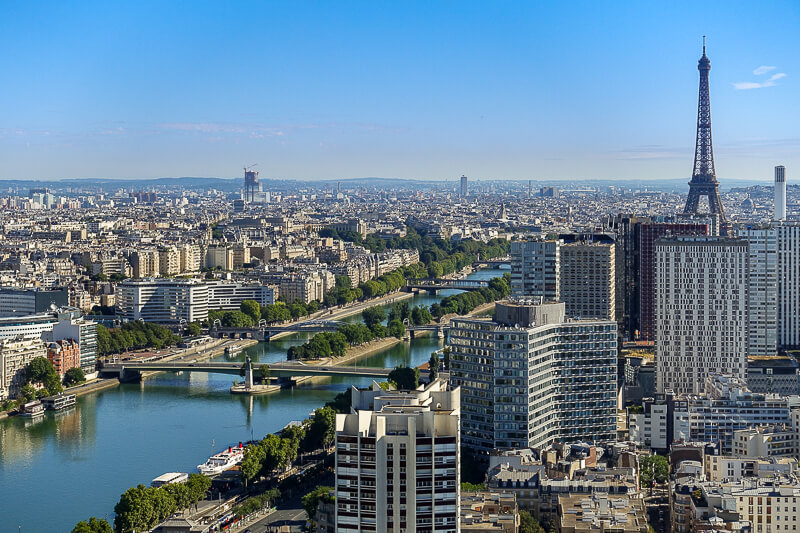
(397, 461)
(229, 296)
(701, 310)
(163, 300)
(27, 327)
(763, 291)
(588, 280)
(766, 441)
(535, 270)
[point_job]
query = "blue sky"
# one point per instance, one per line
(426, 90)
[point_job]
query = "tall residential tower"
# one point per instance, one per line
(701, 311)
(780, 193)
(530, 376)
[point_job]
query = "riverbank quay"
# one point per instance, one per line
(349, 310)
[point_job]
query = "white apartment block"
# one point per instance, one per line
(588, 280)
(767, 441)
(771, 505)
(397, 461)
(15, 354)
(229, 296)
(115, 265)
(701, 303)
(788, 237)
(535, 270)
(530, 377)
(726, 468)
(164, 301)
(219, 257)
(763, 291)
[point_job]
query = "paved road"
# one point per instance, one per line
(289, 518)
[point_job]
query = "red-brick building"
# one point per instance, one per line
(64, 354)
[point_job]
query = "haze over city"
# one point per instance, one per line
(582, 90)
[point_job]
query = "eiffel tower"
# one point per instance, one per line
(704, 179)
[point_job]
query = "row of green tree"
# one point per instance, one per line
(277, 451)
(140, 508)
(256, 503)
(326, 344)
(432, 250)
(134, 335)
(437, 258)
(464, 302)
(251, 313)
(417, 315)
(334, 344)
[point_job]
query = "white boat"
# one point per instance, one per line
(32, 409)
(222, 461)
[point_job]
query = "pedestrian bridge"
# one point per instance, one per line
(433, 285)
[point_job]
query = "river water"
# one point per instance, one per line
(68, 466)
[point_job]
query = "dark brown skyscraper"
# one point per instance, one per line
(704, 178)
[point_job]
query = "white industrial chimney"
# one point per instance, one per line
(780, 193)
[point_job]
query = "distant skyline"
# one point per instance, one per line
(428, 91)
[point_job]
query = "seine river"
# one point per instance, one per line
(69, 466)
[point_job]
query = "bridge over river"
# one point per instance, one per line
(434, 285)
(284, 372)
(263, 332)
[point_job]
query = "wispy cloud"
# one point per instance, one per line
(760, 71)
(763, 69)
(251, 130)
(652, 151)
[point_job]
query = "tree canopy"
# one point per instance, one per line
(94, 525)
(74, 376)
(41, 370)
(405, 378)
(653, 468)
(140, 508)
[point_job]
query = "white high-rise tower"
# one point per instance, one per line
(780, 192)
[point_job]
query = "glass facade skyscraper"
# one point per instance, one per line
(529, 377)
